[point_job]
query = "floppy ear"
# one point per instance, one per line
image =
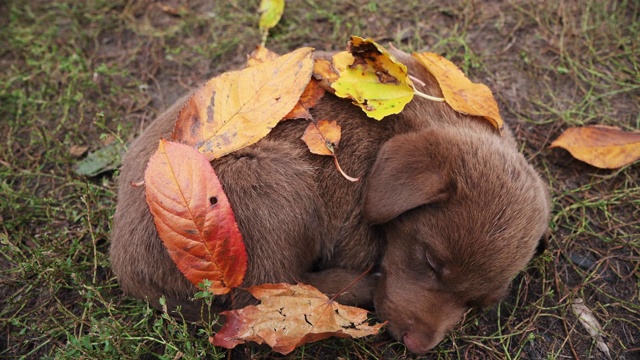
(409, 172)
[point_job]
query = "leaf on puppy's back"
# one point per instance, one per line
(459, 92)
(194, 218)
(238, 108)
(372, 78)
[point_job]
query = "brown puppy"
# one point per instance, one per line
(448, 208)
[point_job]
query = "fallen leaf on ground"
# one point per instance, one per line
(260, 55)
(323, 139)
(102, 160)
(238, 108)
(194, 218)
(289, 316)
(459, 92)
(270, 14)
(372, 78)
(605, 147)
(309, 98)
(590, 323)
(78, 150)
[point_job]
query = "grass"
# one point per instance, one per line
(87, 73)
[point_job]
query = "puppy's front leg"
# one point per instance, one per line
(353, 287)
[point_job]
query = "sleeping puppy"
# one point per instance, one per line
(447, 207)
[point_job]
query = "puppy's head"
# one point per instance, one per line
(463, 213)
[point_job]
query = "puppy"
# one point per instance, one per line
(446, 206)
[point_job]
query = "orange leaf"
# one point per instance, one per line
(324, 71)
(194, 218)
(260, 55)
(238, 108)
(323, 138)
(606, 147)
(309, 98)
(459, 92)
(289, 316)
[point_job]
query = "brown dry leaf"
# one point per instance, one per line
(238, 108)
(309, 98)
(324, 71)
(173, 10)
(590, 323)
(78, 150)
(289, 316)
(606, 147)
(260, 55)
(194, 218)
(323, 139)
(459, 92)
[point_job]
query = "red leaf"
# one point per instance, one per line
(194, 218)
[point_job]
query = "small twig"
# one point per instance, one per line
(352, 179)
(428, 97)
(342, 291)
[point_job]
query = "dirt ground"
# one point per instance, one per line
(89, 73)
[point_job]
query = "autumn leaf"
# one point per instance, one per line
(270, 14)
(238, 108)
(459, 92)
(324, 72)
(606, 147)
(323, 139)
(309, 98)
(194, 218)
(260, 55)
(591, 324)
(289, 316)
(372, 78)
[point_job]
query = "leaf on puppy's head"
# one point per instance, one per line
(459, 92)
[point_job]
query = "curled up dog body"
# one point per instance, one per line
(447, 211)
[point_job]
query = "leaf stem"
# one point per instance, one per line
(428, 97)
(352, 179)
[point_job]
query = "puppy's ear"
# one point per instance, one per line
(409, 172)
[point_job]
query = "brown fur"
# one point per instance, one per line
(448, 208)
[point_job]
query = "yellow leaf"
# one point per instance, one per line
(459, 92)
(260, 55)
(606, 147)
(238, 108)
(270, 13)
(372, 78)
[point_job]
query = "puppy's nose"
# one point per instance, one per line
(414, 346)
